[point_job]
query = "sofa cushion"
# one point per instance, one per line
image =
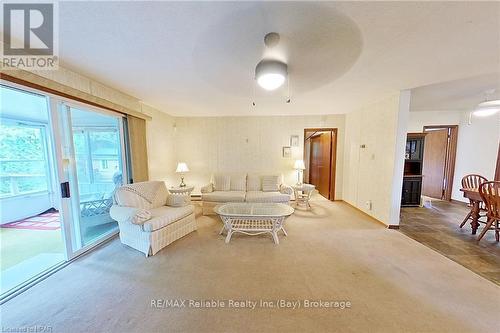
(270, 183)
(162, 216)
(253, 183)
(238, 183)
(222, 182)
(224, 196)
(261, 196)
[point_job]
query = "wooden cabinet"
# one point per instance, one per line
(412, 178)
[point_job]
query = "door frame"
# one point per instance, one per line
(497, 169)
(451, 155)
(333, 155)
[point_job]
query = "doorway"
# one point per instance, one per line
(320, 150)
(60, 163)
(439, 161)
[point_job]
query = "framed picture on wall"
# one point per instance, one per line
(294, 141)
(287, 152)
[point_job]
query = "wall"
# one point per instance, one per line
(374, 173)
(237, 144)
(477, 144)
(161, 143)
(419, 119)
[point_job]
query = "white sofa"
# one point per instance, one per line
(149, 217)
(225, 188)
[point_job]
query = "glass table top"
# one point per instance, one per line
(254, 209)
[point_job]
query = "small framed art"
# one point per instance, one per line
(287, 152)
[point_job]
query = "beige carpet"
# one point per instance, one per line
(331, 253)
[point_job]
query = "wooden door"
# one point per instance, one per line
(434, 166)
(320, 163)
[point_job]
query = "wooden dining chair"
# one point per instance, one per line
(490, 193)
(473, 182)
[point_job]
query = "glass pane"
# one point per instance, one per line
(98, 156)
(23, 162)
(81, 156)
(30, 228)
(105, 156)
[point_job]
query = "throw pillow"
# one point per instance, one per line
(270, 183)
(253, 183)
(238, 183)
(222, 182)
(175, 200)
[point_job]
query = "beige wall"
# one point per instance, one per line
(82, 87)
(477, 144)
(374, 173)
(92, 87)
(160, 134)
(235, 144)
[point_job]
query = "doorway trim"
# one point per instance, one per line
(451, 155)
(497, 169)
(333, 155)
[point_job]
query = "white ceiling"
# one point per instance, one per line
(457, 95)
(194, 59)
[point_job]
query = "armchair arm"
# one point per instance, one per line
(285, 189)
(207, 188)
(129, 214)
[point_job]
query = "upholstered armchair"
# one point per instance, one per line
(149, 217)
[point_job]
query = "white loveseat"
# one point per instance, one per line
(149, 217)
(225, 188)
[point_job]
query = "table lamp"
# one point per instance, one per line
(182, 168)
(299, 166)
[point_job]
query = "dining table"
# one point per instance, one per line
(473, 195)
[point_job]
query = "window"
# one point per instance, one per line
(23, 159)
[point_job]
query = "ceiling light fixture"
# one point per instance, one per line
(271, 74)
(487, 108)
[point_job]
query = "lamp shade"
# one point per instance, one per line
(182, 167)
(299, 165)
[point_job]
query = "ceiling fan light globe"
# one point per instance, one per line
(271, 81)
(271, 74)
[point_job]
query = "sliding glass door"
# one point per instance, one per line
(60, 163)
(93, 145)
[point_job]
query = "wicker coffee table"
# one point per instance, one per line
(253, 218)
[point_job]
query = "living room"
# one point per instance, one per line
(200, 167)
